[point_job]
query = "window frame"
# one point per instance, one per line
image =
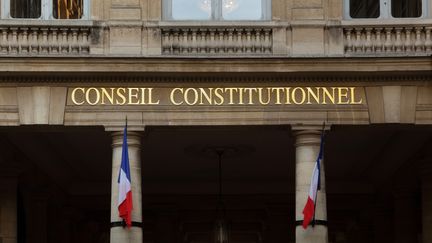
(385, 11)
(216, 12)
(46, 11)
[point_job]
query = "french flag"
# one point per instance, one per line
(309, 209)
(124, 185)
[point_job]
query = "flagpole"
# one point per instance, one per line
(319, 177)
(124, 224)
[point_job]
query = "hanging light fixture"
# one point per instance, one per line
(221, 229)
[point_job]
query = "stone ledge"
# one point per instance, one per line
(48, 23)
(386, 22)
(275, 65)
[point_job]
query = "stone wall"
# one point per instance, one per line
(379, 103)
(312, 28)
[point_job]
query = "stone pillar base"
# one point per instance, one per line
(316, 234)
(120, 234)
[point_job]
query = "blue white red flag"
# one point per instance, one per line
(125, 205)
(309, 209)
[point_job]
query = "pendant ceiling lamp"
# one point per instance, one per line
(221, 227)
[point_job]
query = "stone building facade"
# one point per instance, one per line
(72, 71)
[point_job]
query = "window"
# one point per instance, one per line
(25, 9)
(45, 9)
(217, 10)
(362, 9)
(406, 9)
(191, 9)
(68, 9)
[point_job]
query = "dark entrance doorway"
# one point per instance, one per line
(180, 183)
(57, 183)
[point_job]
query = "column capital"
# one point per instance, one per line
(307, 137)
(304, 127)
(119, 128)
(134, 139)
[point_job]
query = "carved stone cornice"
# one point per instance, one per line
(133, 138)
(318, 78)
(389, 67)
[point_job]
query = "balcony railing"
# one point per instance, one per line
(217, 40)
(193, 39)
(37, 38)
(391, 39)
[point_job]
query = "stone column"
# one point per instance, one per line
(307, 149)
(8, 209)
(120, 234)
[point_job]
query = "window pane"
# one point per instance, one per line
(406, 8)
(25, 8)
(191, 9)
(242, 9)
(67, 9)
(364, 8)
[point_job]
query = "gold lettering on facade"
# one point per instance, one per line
(73, 96)
(287, 96)
(231, 95)
(151, 101)
(209, 96)
(241, 96)
(343, 96)
(250, 90)
(133, 97)
(172, 96)
(218, 94)
(313, 94)
(278, 95)
(121, 94)
(188, 96)
(295, 94)
(260, 96)
(327, 94)
(143, 97)
(92, 93)
(353, 96)
(109, 96)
